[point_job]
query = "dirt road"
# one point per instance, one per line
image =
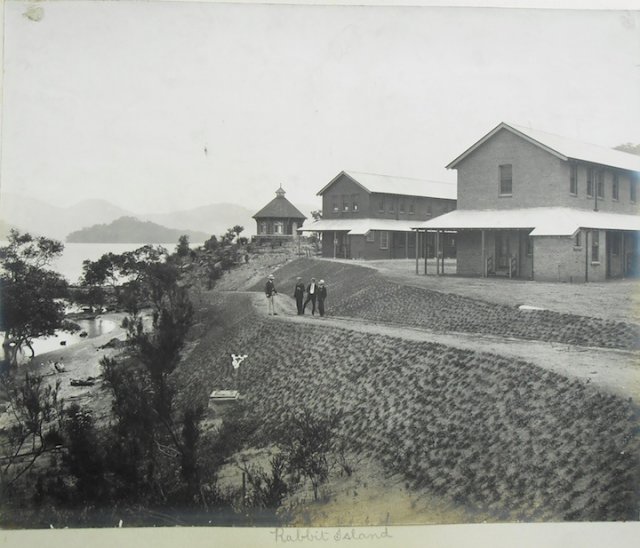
(615, 371)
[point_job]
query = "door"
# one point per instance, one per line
(503, 254)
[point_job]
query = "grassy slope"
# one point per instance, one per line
(490, 434)
(361, 292)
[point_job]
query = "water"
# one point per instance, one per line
(93, 328)
(69, 264)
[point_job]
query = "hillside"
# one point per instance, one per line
(500, 438)
(361, 292)
(131, 230)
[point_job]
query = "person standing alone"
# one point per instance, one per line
(322, 295)
(298, 295)
(312, 289)
(270, 291)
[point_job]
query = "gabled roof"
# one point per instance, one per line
(561, 147)
(390, 184)
(357, 226)
(543, 221)
(279, 208)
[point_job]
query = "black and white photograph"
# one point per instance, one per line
(319, 271)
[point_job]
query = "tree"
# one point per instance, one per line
(182, 249)
(238, 230)
(36, 411)
(30, 292)
(630, 148)
(316, 214)
(310, 441)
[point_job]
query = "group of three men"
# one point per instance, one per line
(316, 294)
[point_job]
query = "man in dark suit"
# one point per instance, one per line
(298, 295)
(322, 295)
(312, 290)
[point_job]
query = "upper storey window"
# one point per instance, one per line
(600, 185)
(573, 180)
(506, 180)
(590, 176)
(633, 190)
(615, 188)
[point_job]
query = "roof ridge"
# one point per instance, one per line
(349, 171)
(582, 142)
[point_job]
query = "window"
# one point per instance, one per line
(590, 182)
(384, 239)
(573, 180)
(615, 188)
(278, 227)
(529, 246)
(600, 185)
(578, 240)
(381, 205)
(335, 203)
(345, 203)
(371, 236)
(263, 228)
(429, 210)
(633, 190)
(392, 206)
(412, 208)
(402, 206)
(354, 200)
(595, 246)
(506, 180)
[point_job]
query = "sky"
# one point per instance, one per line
(161, 106)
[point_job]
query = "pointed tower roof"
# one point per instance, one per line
(279, 208)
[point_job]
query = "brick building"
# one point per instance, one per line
(279, 219)
(368, 216)
(538, 206)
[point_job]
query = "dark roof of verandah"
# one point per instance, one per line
(279, 208)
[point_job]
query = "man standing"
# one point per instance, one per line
(270, 291)
(311, 296)
(298, 294)
(322, 295)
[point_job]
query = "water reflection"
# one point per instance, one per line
(92, 328)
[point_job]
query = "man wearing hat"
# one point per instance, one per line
(322, 295)
(312, 290)
(270, 291)
(298, 295)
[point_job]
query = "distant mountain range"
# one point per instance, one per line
(41, 218)
(129, 230)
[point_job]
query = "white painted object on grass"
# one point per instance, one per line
(237, 360)
(529, 307)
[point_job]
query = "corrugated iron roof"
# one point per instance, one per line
(357, 226)
(279, 208)
(562, 147)
(543, 221)
(390, 184)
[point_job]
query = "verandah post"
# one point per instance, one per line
(484, 261)
(417, 248)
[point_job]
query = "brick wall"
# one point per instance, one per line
(394, 206)
(557, 259)
(539, 179)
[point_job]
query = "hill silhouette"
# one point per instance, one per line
(127, 230)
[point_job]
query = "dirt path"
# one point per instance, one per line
(615, 371)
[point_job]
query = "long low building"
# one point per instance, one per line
(370, 216)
